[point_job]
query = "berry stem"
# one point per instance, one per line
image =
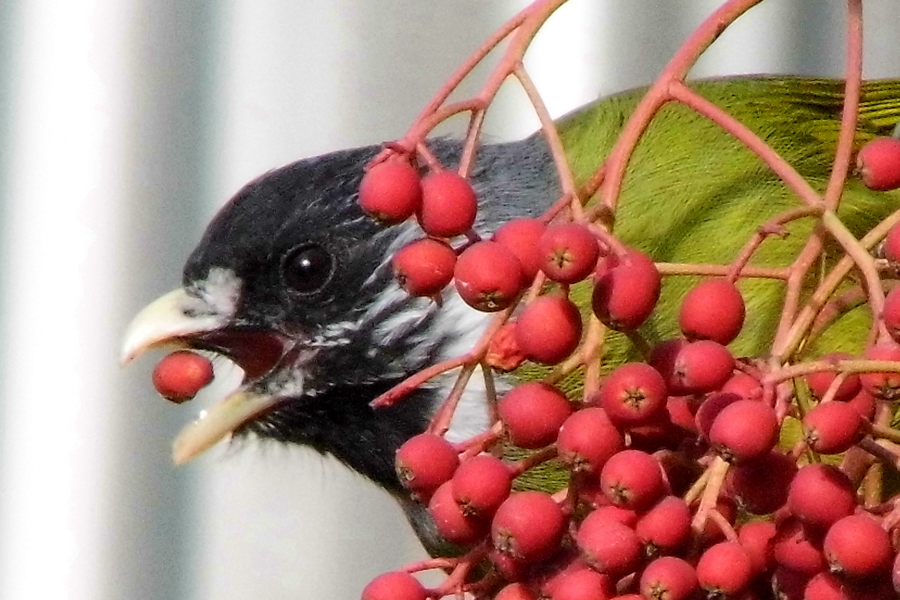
(710, 496)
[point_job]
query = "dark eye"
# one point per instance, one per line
(306, 269)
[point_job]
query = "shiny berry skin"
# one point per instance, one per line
(608, 546)
(390, 192)
(725, 569)
(528, 526)
(587, 439)
(424, 267)
(180, 375)
(521, 237)
(885, 386)
(481, 484)
(832, 428)
(632, 479)
(820, 381)
(515, 591)
(744, 430)
(487, 276)
(757, 538)
(878, 164)
(568, 252)
(891, 312)
(821, 494)
(424, 462)
(666, 527)
(626, 289)
(712, 310)
(451, 522)
(633, 393)
(669, 578)
(532, 413)
(549, 329)
(857, 546)
(448, 205)
(892, 244)
(395, 585)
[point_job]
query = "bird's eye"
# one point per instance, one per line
(307, 268)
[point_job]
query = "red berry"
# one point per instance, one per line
(798, 547)
(515, 591)
(725, 569)
(878, 164)
(608, 546)
(625, 290)
(891, 312)
(745, 430)
(396, 585)
(712, 310)
(487, 276)
(481, 484)
(857, 546)
(828, 586)
(864, 403)
(710, 408)
(587, 439)
(625, 516)
(521, 237)
(528, 526)
(424, 462)
(180, 375)
(820, 495)
(820, 381)
(701, 367)
(633, 393)
(761, 485)
(666, 527)
(743, 385)
(632, 479)
(668, 578)
(424, 267)
(892, 244)
(549, 329)
(448, 205)
(451, 522)
(885, 386)
(390, 192)
(533, 413)
(832, 428)
(757, 538)
(578, 584)
(568, 252)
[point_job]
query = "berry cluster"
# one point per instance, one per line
(670, 481)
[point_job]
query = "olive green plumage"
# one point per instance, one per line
(693, 194)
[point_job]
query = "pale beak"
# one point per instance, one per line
(172, 321)
(166, 321)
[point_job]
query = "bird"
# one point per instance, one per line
(292, 280)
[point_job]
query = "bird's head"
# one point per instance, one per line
(292, 282)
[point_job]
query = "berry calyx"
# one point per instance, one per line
(568, 252)
(487, 276)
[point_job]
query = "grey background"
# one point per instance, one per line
(123, 125)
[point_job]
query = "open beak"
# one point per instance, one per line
(181, 320)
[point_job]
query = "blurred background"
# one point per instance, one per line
(124, 124)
